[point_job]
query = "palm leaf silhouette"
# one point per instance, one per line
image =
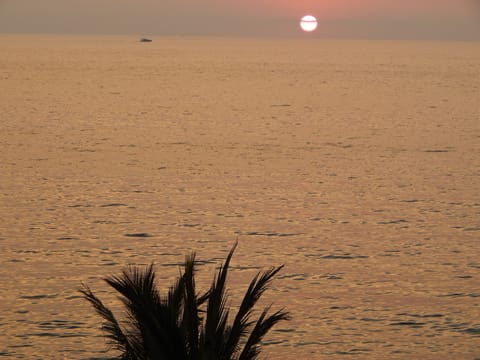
(110, 326)
(242, 320)
(183, 324)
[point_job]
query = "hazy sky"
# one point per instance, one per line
(377, 19)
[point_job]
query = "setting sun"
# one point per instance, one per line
(308, 23)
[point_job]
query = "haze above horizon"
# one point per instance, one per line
(366, 19)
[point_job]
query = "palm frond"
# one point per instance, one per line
(155, 330)
(174, 299)
(217, 316)
(191, 319)
(263, 325)
(240, 325)
(110, 325)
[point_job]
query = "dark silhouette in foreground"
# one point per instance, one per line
(183, 324)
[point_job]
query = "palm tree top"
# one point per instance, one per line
(185, 324)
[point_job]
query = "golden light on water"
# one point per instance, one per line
(336, 165)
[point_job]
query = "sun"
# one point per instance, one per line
(308, 23)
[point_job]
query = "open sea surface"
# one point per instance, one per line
(356, 164)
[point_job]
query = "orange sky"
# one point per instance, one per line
(349, 8)
(397, 19)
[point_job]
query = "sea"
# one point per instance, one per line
(355, 164)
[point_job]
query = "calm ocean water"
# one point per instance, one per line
(355, 164)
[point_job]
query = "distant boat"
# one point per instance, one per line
(145, 40)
